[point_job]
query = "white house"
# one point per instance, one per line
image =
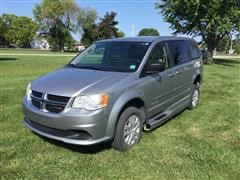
(79, 46)
(39, 44)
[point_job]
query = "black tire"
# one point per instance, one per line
(119, 141)
(193, 105)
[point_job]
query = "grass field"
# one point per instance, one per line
(200, 144)
(33, 51)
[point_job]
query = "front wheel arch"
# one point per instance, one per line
(197, 80)
(120, 105)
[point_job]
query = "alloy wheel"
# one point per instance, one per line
(131, 132)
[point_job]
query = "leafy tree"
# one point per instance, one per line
(87, 25)
(148, 32)
(2, 25)
(3, 41)
(224, 44)
(91, 31)
(18, 30)
(212, 20)
(236, 44)
(120, 34)
(89, 35)
(56, 20)
(69, 42)
(107, 26)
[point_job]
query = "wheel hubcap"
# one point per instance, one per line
(195, 98)
(131, 131)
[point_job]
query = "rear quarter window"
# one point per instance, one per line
(194, 50)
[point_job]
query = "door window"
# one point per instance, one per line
(179, 51)
(158, 57)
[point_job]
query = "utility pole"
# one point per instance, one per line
(133, 29)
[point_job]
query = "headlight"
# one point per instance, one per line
(91, 102)
(28, 91)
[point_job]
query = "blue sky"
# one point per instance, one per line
(140, 12)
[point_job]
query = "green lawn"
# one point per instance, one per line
(200, 144)
(33, 51)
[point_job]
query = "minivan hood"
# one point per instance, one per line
(71, 82)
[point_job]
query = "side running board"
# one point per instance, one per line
(155, 121)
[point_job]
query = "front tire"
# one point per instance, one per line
(129, 129)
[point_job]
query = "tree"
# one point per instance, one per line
(89, 35)
(212, 20)
(69, 42)
(3, 27)
(56, 20)
(107, 26)
(91, 31)
(87, 25)
(120, 34)
(18, 30)
(148, 32)
(236, 44)
(224, 44)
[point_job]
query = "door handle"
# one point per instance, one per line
(178, 72)
(171, 74)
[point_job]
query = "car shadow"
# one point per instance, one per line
(90, 149)
(8, 59)
(226, 62)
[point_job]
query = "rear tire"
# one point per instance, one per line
(129, 128)
(194, 97)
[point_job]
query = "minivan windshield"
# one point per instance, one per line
(121, 56)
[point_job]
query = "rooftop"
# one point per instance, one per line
(144, 38)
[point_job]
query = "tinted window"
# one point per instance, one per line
(194, 51)
(159, 56)
(179, 51)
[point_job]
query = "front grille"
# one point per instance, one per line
(54, 108)
(36, 103)
(37, 94)
(58, 98)
(49, 102)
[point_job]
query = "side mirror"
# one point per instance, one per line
(154, 68)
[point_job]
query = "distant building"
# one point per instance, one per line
(40, 44)
(79, 46)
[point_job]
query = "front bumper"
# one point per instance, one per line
(73, 126)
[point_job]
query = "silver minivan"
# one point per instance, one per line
(114, 90)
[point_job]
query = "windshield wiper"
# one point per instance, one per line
(94, 68)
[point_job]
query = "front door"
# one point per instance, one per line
(157, 85)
